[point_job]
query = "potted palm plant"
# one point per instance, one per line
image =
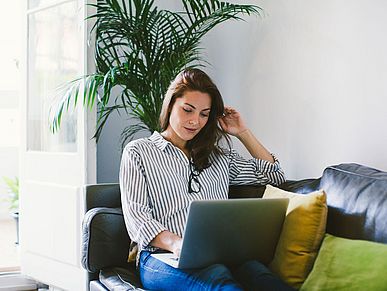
(139, 49)
(13, 200)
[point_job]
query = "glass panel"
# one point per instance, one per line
(54, 57)
(39, 3)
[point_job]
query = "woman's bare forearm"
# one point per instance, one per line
(255, 148)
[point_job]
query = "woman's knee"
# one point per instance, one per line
(220, 268)
(254, 275)
(254, 266)
(218, 277)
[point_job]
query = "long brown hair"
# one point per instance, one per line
(206, 141)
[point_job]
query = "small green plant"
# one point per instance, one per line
(13, 192)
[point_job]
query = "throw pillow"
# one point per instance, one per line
(345, 264)
(301, 235)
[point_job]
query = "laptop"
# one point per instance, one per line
(229, 232)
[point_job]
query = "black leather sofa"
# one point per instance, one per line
(357, 209)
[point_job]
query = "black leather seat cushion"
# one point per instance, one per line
(120, 279)
(96, 285)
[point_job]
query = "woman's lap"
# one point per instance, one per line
(156, 275)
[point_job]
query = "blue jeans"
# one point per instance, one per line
(252, 275)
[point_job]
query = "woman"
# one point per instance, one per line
(162, 174)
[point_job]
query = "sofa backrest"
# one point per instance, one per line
(103, 195)
(357, 200)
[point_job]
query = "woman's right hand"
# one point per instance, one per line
(168, 241)
(176, 247)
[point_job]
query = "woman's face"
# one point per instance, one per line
(188, 116)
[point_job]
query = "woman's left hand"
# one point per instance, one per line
(232, 122)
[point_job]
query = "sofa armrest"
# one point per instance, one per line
(105, 241)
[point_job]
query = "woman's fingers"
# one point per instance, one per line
(229, 110)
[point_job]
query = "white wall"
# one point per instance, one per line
(310, 78)
(109, 150)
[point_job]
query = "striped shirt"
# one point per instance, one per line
(154, 179)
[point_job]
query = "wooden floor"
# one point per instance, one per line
(9, 251)
(10, 278)
(17, 283)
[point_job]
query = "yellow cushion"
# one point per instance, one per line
(301, 235)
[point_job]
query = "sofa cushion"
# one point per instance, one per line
(120, 279)
(357, 200)
(96, 285)
(302, 232)
(344, 264)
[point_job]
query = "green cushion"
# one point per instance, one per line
(344, 264)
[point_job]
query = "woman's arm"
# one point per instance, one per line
(142, 227)
(233, 124)
(263, 169)
(255, 148)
